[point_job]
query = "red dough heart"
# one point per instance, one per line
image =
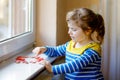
(23, 59)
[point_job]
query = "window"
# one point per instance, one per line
(14, 18)
(16, 25)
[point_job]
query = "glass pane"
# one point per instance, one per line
(14, 18)
(3, 19)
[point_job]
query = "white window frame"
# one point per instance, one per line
(12, 46)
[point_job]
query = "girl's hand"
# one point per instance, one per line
(47, 64)
(39, 50)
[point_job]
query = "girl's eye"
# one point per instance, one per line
(74, 29)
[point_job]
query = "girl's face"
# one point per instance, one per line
(76, 33)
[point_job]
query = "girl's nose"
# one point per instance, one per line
(69, 32)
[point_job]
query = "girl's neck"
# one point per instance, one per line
(82, 43)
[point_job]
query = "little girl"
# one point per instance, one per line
(83, 52)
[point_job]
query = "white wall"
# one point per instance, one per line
(46, 22)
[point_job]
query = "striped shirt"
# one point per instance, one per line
(80, 63)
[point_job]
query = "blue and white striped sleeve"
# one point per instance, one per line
(56, 51)
(88, 57)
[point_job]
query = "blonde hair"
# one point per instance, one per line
(88, 20)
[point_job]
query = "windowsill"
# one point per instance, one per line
(9, 70)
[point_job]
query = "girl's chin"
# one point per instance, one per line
(73, 39)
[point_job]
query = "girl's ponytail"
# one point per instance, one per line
(98, 33)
